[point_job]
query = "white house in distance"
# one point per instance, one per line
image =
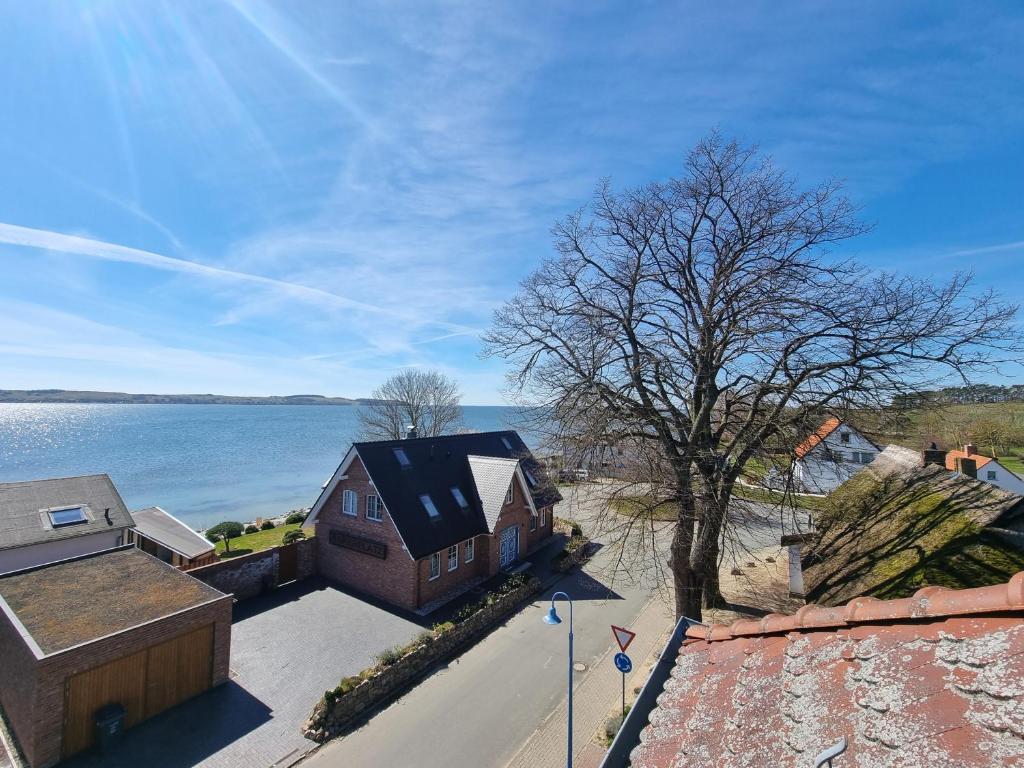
(830, 456)
(989, 469)
(43, 521)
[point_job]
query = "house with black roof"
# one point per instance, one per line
(414, 521)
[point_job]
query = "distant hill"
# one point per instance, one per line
(77, 396)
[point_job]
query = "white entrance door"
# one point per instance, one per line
(509, 546)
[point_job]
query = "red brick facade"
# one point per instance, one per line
(33, 689)
(397, 578)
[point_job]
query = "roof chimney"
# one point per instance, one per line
(970, 449)
(410, 432)
(933, 455)
(968, 467)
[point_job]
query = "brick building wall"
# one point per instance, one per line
(17, 678)
(41, 739)
(243, 576)
(398, 579)
(431, 589)
(392, 579)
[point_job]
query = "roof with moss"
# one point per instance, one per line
(899, 526)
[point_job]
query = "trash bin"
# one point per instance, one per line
(109, 722)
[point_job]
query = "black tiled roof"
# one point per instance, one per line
(435, 465)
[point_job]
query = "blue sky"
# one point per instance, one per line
(304, 197)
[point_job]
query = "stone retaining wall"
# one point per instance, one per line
(331, 716)
(250, 575)
(580, 555)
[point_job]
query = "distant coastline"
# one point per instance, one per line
(83, 396)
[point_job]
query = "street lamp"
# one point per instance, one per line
(553, 618)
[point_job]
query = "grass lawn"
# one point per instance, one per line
(254, 542)
(1013, 463)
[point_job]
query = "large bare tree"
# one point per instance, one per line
(426, 400)
(702, 323)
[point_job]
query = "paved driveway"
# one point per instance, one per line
(287, 648)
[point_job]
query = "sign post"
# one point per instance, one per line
(622, 662)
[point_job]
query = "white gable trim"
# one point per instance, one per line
(525, 486)
(341, 474)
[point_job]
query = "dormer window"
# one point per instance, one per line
(67, 516)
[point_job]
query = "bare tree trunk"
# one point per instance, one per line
(688, 587)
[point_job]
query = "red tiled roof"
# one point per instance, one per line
(936, 679)
(817, 436)
(952, 456)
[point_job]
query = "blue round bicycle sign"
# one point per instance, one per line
(622, 663)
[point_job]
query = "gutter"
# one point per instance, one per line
(628, 736)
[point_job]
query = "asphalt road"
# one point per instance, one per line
(483, 707)
(486, 704)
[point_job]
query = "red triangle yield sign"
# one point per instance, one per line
(623, 637)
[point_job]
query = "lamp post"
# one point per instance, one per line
(553, 618)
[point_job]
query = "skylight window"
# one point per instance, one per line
(530, 478)
(68, 516)
(506, 443)
(428, 504)
(459, 498)
(402, 458)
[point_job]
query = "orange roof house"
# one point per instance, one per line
(827, 428)
(933, 679)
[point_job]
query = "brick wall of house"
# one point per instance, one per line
(537, 537)
(392, 579)
(42, 746)
(517, 513)
(431, 589)
(17, 680)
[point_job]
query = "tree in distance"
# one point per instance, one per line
(426, 400)
(224, 531)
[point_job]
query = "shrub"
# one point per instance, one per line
(225, 531)
(295, 535)
(295, 517)
(426, 637)
(389, 656)
(251, 528)
(268, 525)
(440, 629)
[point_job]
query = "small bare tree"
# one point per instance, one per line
(701, 323)
(426, 400)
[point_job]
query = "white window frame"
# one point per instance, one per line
(470, 550)
(453, 557)
(376, 516)
(435, 566)
(349, 509)
(510, 494)
(543, 516)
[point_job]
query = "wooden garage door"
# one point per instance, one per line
(146, 683)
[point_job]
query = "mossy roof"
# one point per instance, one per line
(897, 526)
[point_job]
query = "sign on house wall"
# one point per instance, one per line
(369, 547)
